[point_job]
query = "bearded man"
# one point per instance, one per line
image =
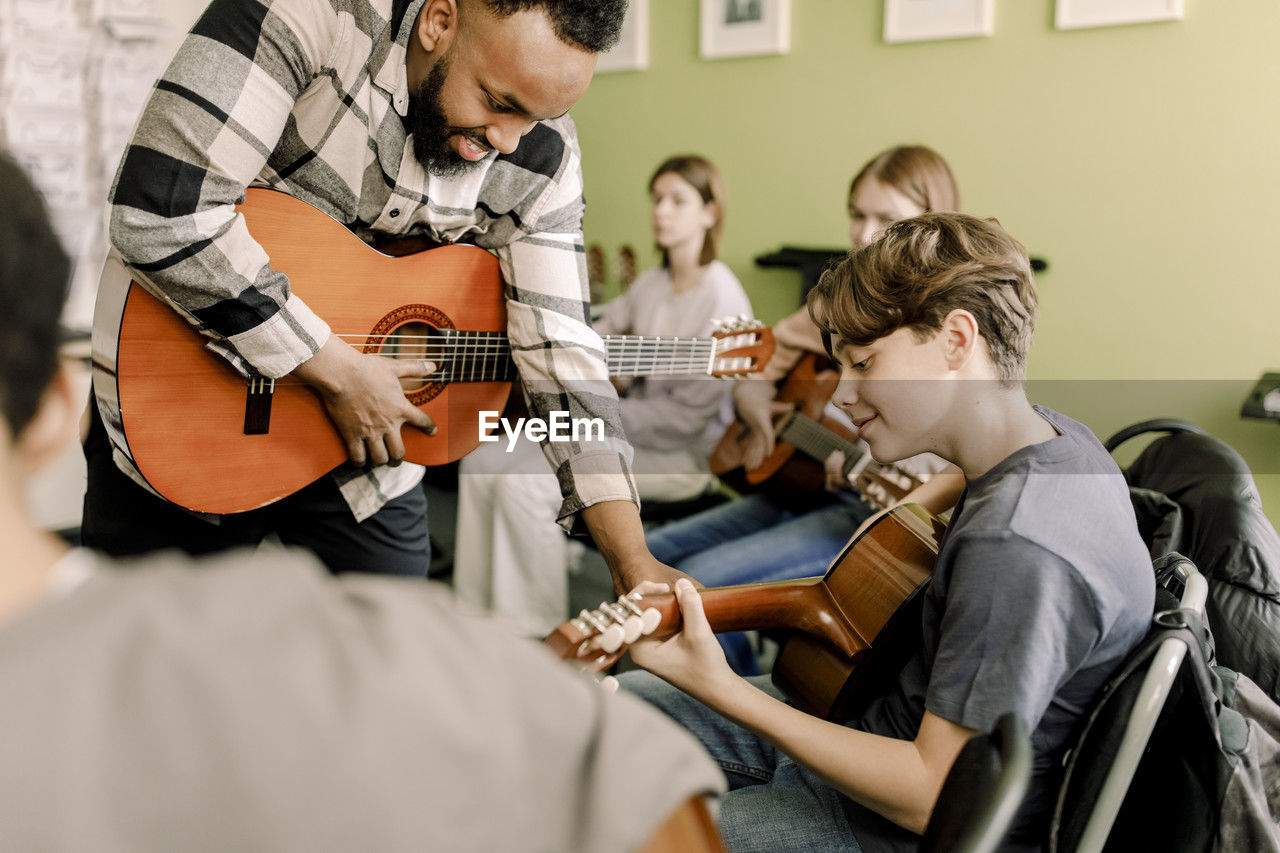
(440, 118)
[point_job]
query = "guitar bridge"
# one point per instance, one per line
(257, 405)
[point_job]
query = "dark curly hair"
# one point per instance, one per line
(34, 275)
(593, 25)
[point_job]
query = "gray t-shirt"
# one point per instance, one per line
(1041, 588)
(254, 703)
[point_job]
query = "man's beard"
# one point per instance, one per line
(431, 130)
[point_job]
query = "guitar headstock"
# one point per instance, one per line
(884, 485)
(742, 345)
(597, 638)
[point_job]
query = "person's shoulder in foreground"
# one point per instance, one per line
(253, 700)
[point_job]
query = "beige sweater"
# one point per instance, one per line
(254, 703)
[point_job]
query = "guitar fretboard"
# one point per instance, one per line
(462, 356)
(817, 442)
(879, 484)
(638, 355)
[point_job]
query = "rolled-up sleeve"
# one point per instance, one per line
(205, 134)
(560, 358)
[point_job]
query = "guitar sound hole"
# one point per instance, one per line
(413, 340)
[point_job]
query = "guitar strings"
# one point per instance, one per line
(499, 341)
(486, 356)
(815, 439)
(625, 354)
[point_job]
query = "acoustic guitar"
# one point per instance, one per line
(845, 633)
(211, 440)
(804, 438)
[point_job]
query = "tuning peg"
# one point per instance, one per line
(611, 636)
(650, 618)
(631, 623)
(611, 639)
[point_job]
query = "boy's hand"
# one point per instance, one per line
(757, 409)
(834, 468)
(692, 660)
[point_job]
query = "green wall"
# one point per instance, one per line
(1142, 161)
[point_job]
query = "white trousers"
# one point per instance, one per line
(511, 556)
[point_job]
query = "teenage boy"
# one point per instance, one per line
(1041, 587)
(258, 703)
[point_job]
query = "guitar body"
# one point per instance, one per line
(808, 386)
(183, 409)
(876, 582)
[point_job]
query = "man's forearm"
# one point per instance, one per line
(615, 526)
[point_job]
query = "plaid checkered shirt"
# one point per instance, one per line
(309, 97)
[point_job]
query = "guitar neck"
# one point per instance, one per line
(646, 355)
(831, 621)
(486, 356)
(805, 606)
(817, 442)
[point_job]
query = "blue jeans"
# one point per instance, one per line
(757, 539)
(773, 803)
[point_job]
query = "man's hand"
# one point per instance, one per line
(647, 568)
(365, 400)
(692, 659)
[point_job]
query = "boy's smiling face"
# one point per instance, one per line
(896, 391)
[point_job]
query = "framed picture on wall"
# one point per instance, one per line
(745, 28)
(929, 20)
(1074, 14)
(631, 53)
